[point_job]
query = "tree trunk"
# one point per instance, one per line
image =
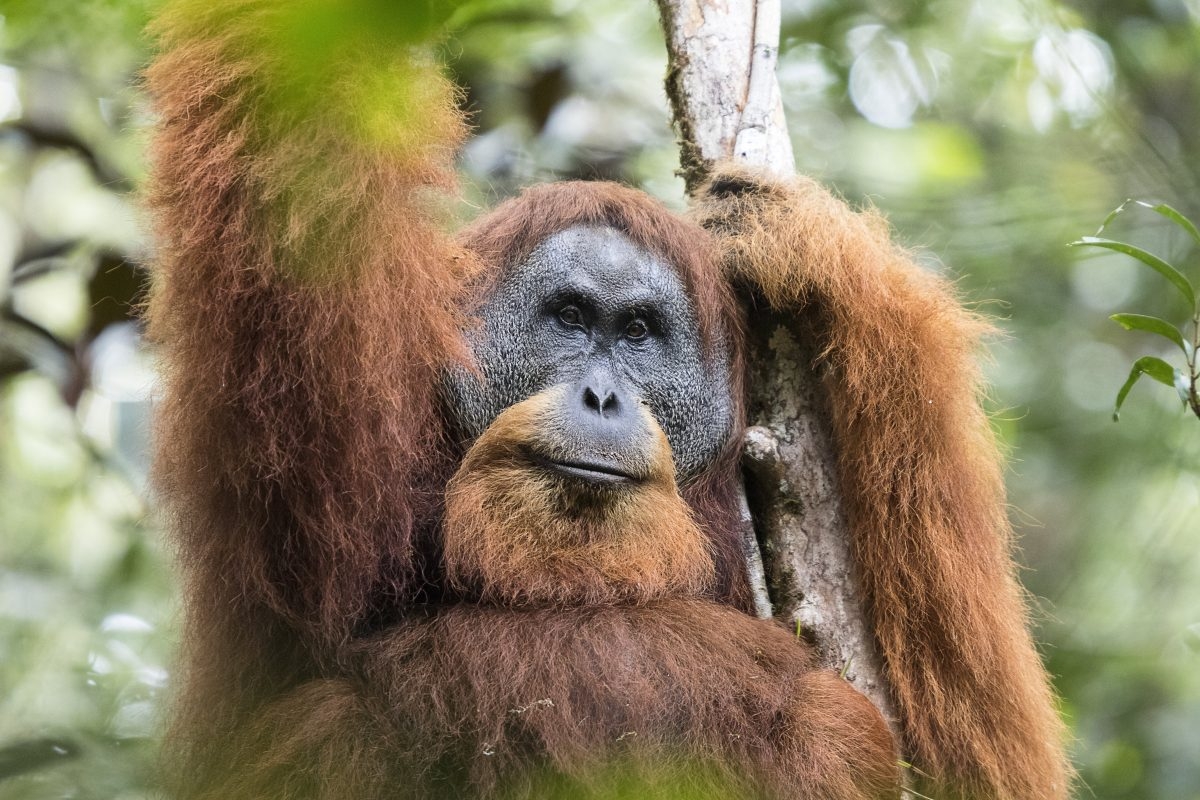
(726, 103)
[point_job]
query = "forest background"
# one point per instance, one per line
(992, 132)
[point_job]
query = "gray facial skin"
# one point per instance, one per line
(591, 309)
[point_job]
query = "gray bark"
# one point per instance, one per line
(726, 103)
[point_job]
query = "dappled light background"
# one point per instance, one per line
(992, 132)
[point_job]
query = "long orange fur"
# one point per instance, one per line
(305, 295)
(306, 302)
(921, 477)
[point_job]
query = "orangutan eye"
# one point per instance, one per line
(636, 330)
(570, 316)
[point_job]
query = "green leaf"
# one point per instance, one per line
(1149, 259)
(1156, 368)
(1140, 322)
(1173, 215)
(1113, 215)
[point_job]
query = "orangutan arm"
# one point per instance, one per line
(921, 477)
(304, 299)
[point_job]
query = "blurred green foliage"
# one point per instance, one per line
(1183, 379)
(993, 132)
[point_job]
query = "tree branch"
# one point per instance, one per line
(727, 104)
(762, 138)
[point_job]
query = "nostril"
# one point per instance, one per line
(592, 401)
(610, 405)
(604, 403)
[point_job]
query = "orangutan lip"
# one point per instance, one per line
(590, 471)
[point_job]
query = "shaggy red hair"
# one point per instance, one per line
(306, 303)
(920, 474)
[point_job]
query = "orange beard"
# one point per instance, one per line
(517, 534)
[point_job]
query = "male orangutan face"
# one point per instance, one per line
(594, 392)
(613, 325)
